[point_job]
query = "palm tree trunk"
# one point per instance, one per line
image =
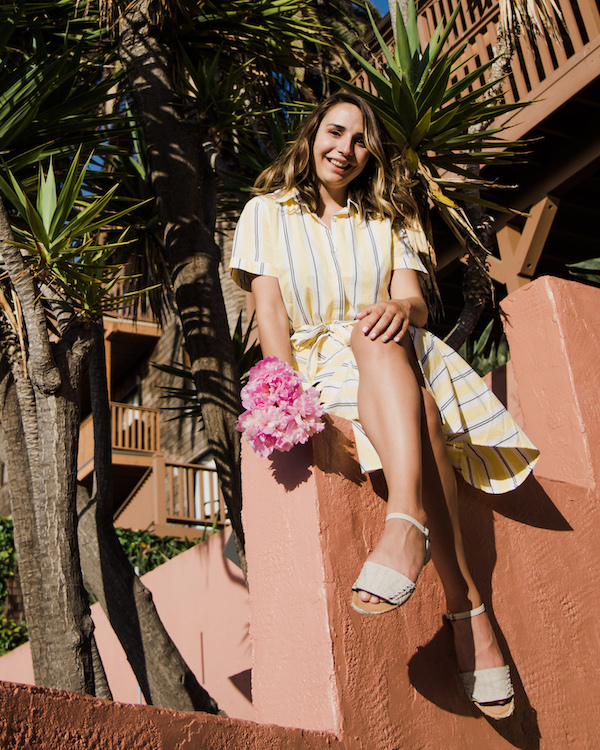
(40, 424)
(162, 674)
(186, 206)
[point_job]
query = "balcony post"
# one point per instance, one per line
(158, 479)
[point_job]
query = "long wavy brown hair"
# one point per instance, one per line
(380, 190)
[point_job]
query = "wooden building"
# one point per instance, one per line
(164, 479)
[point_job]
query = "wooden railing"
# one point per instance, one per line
(532, 63)
(174, 499)
(193, 496)
(133, 428)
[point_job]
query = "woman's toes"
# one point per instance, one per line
(364, 596)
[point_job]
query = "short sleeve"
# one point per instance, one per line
(404, 253)
(252, 250)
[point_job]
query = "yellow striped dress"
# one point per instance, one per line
(326, 276)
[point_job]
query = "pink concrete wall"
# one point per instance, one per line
(42, 719)
(203, 603)
(391, 681)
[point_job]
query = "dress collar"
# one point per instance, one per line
(293, 197)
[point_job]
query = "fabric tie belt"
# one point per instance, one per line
(309, 341)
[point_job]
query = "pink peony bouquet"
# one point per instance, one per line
(279, 413)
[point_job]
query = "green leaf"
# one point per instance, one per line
(68, 194)
(403, 48)
(421, 130)
(46, 197)
(441, 41)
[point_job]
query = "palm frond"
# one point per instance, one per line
(440, 128)
(535, 17)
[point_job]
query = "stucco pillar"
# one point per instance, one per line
(553, 330)
(391, 682)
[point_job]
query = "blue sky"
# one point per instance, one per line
(382, 6)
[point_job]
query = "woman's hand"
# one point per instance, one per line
(387, 320)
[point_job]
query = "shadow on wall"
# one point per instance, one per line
(433, 670)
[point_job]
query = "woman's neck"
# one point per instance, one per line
(330, 204)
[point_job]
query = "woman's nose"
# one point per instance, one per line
(345, 147)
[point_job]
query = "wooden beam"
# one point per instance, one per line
(521, 251)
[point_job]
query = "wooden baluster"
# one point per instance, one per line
(201, 496)
(572, 25)
(180, 492)
(171, 481)
(189, 488)
(591, 17)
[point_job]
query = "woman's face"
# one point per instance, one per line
(339, 153)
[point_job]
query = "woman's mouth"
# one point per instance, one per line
(339, 164)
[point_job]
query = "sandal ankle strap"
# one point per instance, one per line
(403, 517)
(465, 615)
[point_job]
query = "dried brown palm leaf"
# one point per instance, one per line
(159, 11)
(535, 17)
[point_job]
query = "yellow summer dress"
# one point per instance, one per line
(326, 276)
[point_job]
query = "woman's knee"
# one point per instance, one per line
(376, 351)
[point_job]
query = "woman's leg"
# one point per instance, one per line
(402, 421)
(475, 643)
(390, 409)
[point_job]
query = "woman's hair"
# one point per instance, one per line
(380, 190)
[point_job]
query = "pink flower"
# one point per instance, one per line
(279, 414)
(271, 382)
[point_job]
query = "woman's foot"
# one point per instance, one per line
(403, 547)
(484, 674)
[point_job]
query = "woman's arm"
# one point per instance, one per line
(390, 319)
(272, 319)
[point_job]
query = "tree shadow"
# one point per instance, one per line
(433, 671)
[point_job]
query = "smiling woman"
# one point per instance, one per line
(327, 249)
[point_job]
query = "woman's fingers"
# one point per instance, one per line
(385, 320)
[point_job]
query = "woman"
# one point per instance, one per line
(325, 248)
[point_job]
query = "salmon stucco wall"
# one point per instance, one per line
(391, 682)
(202, 601)
(331, 677)
(43, 719)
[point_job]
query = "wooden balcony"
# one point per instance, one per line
(166, 497)
(133, 310)
(174, 499)
(135, 437)
(564, 67)
(556, 182)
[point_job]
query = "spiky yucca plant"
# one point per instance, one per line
(58, 234)
(432, 120)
